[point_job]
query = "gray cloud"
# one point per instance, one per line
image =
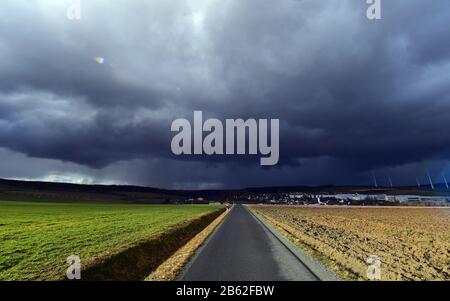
(353, 96)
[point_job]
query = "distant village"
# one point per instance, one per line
(351, 199)
(324, 199)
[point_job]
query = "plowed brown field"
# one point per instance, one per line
(412, 243)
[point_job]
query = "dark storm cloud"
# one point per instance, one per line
(353, 96)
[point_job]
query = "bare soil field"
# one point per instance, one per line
(412, 243)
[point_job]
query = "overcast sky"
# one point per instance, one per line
(354, 97)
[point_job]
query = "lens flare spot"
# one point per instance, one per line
(100, 60)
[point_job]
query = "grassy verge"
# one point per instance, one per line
(171, 268)
(122, 242)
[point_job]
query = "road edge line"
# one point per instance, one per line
(316, 267)
(197, 252)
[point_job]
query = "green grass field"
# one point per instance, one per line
(36, 238)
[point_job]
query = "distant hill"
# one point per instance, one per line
(32, 191)
(47, 191)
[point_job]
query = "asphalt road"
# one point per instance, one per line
(242, 249)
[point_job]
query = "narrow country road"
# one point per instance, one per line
(242, 249)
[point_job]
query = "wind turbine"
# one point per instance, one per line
(390, 181)
(375, 180)
(431, 181)
(418, 183)
(445, 181)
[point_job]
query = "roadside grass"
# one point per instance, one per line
(36, 238)
(171, 268)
